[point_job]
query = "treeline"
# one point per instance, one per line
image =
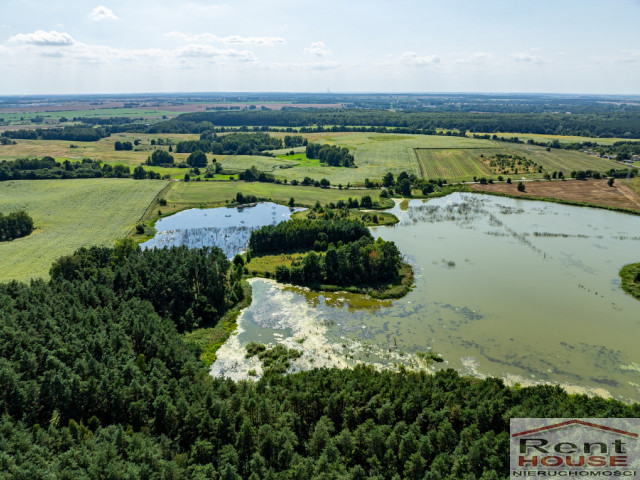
(231, 144)
(363, 262)
(77, 133)
(302, 234)
(15, 225)
(616, 123)
(47, 168)
(332, 155)
(96, 383)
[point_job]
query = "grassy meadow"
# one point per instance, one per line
(429, 156)
(69, 214)
(216, 193)
(25, 117)
(561, 138)
(464, 164)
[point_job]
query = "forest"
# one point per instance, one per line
(232, 144)
(96, 382)
(48, 168)
(15, 225)
(363, 262)
(615, 123)
(302, 234)
(77, 133)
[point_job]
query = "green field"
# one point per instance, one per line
(262, 163)
(561, 138)
(209, 193)
(459, 164)
(431, 156)
(69, 214)
(17, 118)
(375, 155)
(464, 164)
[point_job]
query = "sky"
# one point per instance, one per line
(134, 46)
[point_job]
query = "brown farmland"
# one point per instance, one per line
(596, 192)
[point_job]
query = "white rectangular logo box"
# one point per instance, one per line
(575, 448)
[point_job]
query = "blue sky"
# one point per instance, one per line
(80, 46)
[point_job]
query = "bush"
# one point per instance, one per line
(520, 187)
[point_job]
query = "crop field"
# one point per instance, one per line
(452, 164)
(262, 163)
(211, 193)
(376, 154)
(561, 138)
(103, 149)
(431, 156)
(67, 215)
(464, 164)
(17, 118)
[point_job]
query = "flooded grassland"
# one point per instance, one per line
(527, 291)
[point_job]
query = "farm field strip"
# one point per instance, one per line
(69, 214)
(205, 193)
(451, 163)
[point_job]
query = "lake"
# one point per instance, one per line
(523, 290)
(227, 228)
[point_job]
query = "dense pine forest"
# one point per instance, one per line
(96, 382)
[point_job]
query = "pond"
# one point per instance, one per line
(526, 291)
(227, 228)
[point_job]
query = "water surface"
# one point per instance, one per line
(227, 228)
(528, 291)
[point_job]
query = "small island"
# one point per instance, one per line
(330, 252)
(630, 276)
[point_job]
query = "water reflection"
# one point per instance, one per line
(227, 228)
(527, 291)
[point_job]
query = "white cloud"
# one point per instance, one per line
(412, 59)
(319, 49)
(207, 51)
(527, 58)
(101, 13)
(44, 39)
(629, 56)
(322, 65)
(230, 40)
(260, 41)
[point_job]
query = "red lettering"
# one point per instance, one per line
(619, 461)
(597, 461)
(571, 464)
(551, 461)
(522, 461)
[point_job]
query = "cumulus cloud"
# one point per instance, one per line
(322, 65)
(101, 13)
(412, 59)
(44, 39)
(319, 49)
(527, 58)
(229, 40)
(207, 51)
